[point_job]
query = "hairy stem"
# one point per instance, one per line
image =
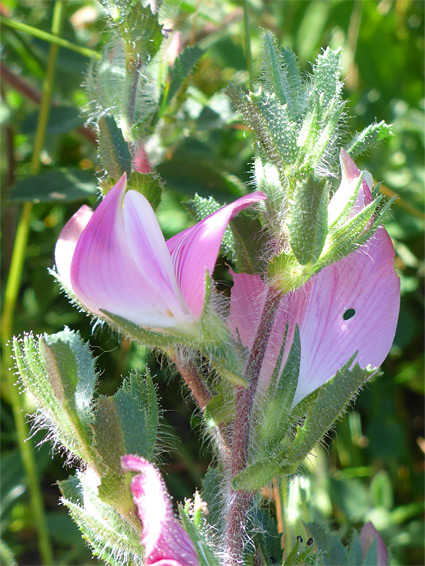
(192, 379)
(10, 298)
(202, 396)
(239, 500)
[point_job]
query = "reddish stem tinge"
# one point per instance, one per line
(239, 500)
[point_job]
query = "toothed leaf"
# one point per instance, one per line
(59, 372)
(368, 138)
(113, 149)
(331, 401)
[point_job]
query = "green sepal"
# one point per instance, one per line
(181, 69)
(113, 538)
(249, 238)
(267, 179)
(286, 273)
(265, 534)
(309, 219)
(199, 538)
(326, 78)
(339, 218)
(270, 121)
(332, 399)
(114, 432)
(280, 74)
(276, 406)
(150, 338)
(221, 408)
(113, 149)
(149, 185)
(141, 33)
(347, 238)
(368, 138)
(259, 474)
(59, 372)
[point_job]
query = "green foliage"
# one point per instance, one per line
(332, 399)
(198, 535)
(54, 186)
(382, 82)
(179, 72)
(113, 151)
(59, 372)
(111, 537)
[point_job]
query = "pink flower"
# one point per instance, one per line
(367, 535)
(166, 542)
(350, 306)
(116, 260)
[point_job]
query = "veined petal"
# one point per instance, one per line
(166, 542)
(195, 250)
(68, 238)
(350, 174)
(106, 277)
(351, 305)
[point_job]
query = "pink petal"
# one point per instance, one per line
(140, 160)
(367, 536)
(194, 251)
(364, 281)
(349, 177)
(166, 542)
(117, 268)
(68, 238)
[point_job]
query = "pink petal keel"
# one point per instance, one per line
(194, 251)
(112, 271)
(166, 542)
(67, 241)
(367, 536)
(363, 285)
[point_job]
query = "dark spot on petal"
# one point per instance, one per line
(349, 313)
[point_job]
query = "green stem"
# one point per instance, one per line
(50, 37)
(287, 531)
(248, 54)
(10, 298)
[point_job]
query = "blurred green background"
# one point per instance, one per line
(373, 468)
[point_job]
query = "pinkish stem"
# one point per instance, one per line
(239, 500)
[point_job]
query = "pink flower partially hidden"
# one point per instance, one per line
(116, 260)
(166, 542)
(351, 305)
(367, 535)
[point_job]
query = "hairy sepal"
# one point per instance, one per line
(195, 527)
(309, 219)
(112, 538)
(275, 408)
(331, 401)
(113, 149)
(59, 372)
(368, 138)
